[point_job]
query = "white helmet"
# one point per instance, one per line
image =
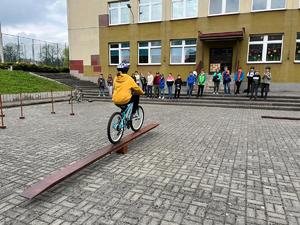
(123, 67)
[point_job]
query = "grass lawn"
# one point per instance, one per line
(12, 82)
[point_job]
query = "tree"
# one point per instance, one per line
(66, 57)
(10, 52)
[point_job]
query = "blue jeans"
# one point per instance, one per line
(161, 92)
(227, 88)
(170, 91)
(190, 89)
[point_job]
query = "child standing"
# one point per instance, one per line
(250, 75)
(201, 82)
(162, 87)
(190, 84)
(101, 85)
(266, 81)
(217, 77)
(178, 83)
(110, 82)
(149, 84)
(238, 78)
(255, 85)
(170, 82)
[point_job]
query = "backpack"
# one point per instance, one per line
(216, 78)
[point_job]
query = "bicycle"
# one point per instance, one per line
(77, 96)
(119, 121)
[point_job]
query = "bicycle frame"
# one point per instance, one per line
(126, 114)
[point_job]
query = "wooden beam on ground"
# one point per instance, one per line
(280, 118)
(60, 175)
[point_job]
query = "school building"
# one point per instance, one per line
(179, 36)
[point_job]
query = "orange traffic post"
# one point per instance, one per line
(72, 106)
(52, 103)
(2, 126)
(21, 105)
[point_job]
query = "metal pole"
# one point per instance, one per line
(21, 104)
(57, 62)
(2, 126)
(1, 47)
(33, 56)
(52, 103)
(72, 107)
(18, 49)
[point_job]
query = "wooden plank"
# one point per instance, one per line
(60, 175)
(280, 118)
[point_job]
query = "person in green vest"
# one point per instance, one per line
(201, 82)
(217, 77)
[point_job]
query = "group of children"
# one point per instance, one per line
(155, 85)
(253, 77)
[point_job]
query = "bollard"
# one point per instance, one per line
(21, 104)
(52, 103)
(72, 106)
(2, 126)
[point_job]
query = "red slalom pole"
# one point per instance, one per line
(72, 107)
(52, 103)
(21, 104)
(2, 126)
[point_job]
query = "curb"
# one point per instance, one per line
(14, 105)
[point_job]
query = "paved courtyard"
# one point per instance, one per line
(200, 166)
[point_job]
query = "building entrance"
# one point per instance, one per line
(220, 57)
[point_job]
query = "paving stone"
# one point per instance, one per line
(200, 166)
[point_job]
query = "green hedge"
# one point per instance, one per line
(34, 68)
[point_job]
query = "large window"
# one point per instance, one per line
(265, 48)
(297, 56)
(150, 52)
(119, 52)
(262, 5)
(217, 7)
(183, 51)
(184, 9)
(119, 13)
(150, 10)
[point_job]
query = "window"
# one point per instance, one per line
(297, 56)
(150, 10)
(150, 52)
(183, 51)
(118, 13)
(217, 7)
(119, 52)
(265, 48)
(261, 5)
(184, 9)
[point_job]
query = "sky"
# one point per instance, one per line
(39, 19)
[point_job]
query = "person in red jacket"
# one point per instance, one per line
(156, 84)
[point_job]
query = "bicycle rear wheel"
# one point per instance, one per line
(115, 129)
(137, 120)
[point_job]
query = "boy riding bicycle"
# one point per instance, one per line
(125, 89)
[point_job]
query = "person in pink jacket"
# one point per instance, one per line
(170, 82)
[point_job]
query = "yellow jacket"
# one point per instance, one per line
(124, 85)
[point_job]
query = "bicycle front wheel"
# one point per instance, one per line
(115, 129)
(137, 120)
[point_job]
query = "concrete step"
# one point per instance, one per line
(90, 90)
(244, 101)
(250, 105)
(219, 98)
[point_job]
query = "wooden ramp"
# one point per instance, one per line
(60, 175)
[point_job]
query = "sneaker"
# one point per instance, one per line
(163, 97)
(159, 97)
